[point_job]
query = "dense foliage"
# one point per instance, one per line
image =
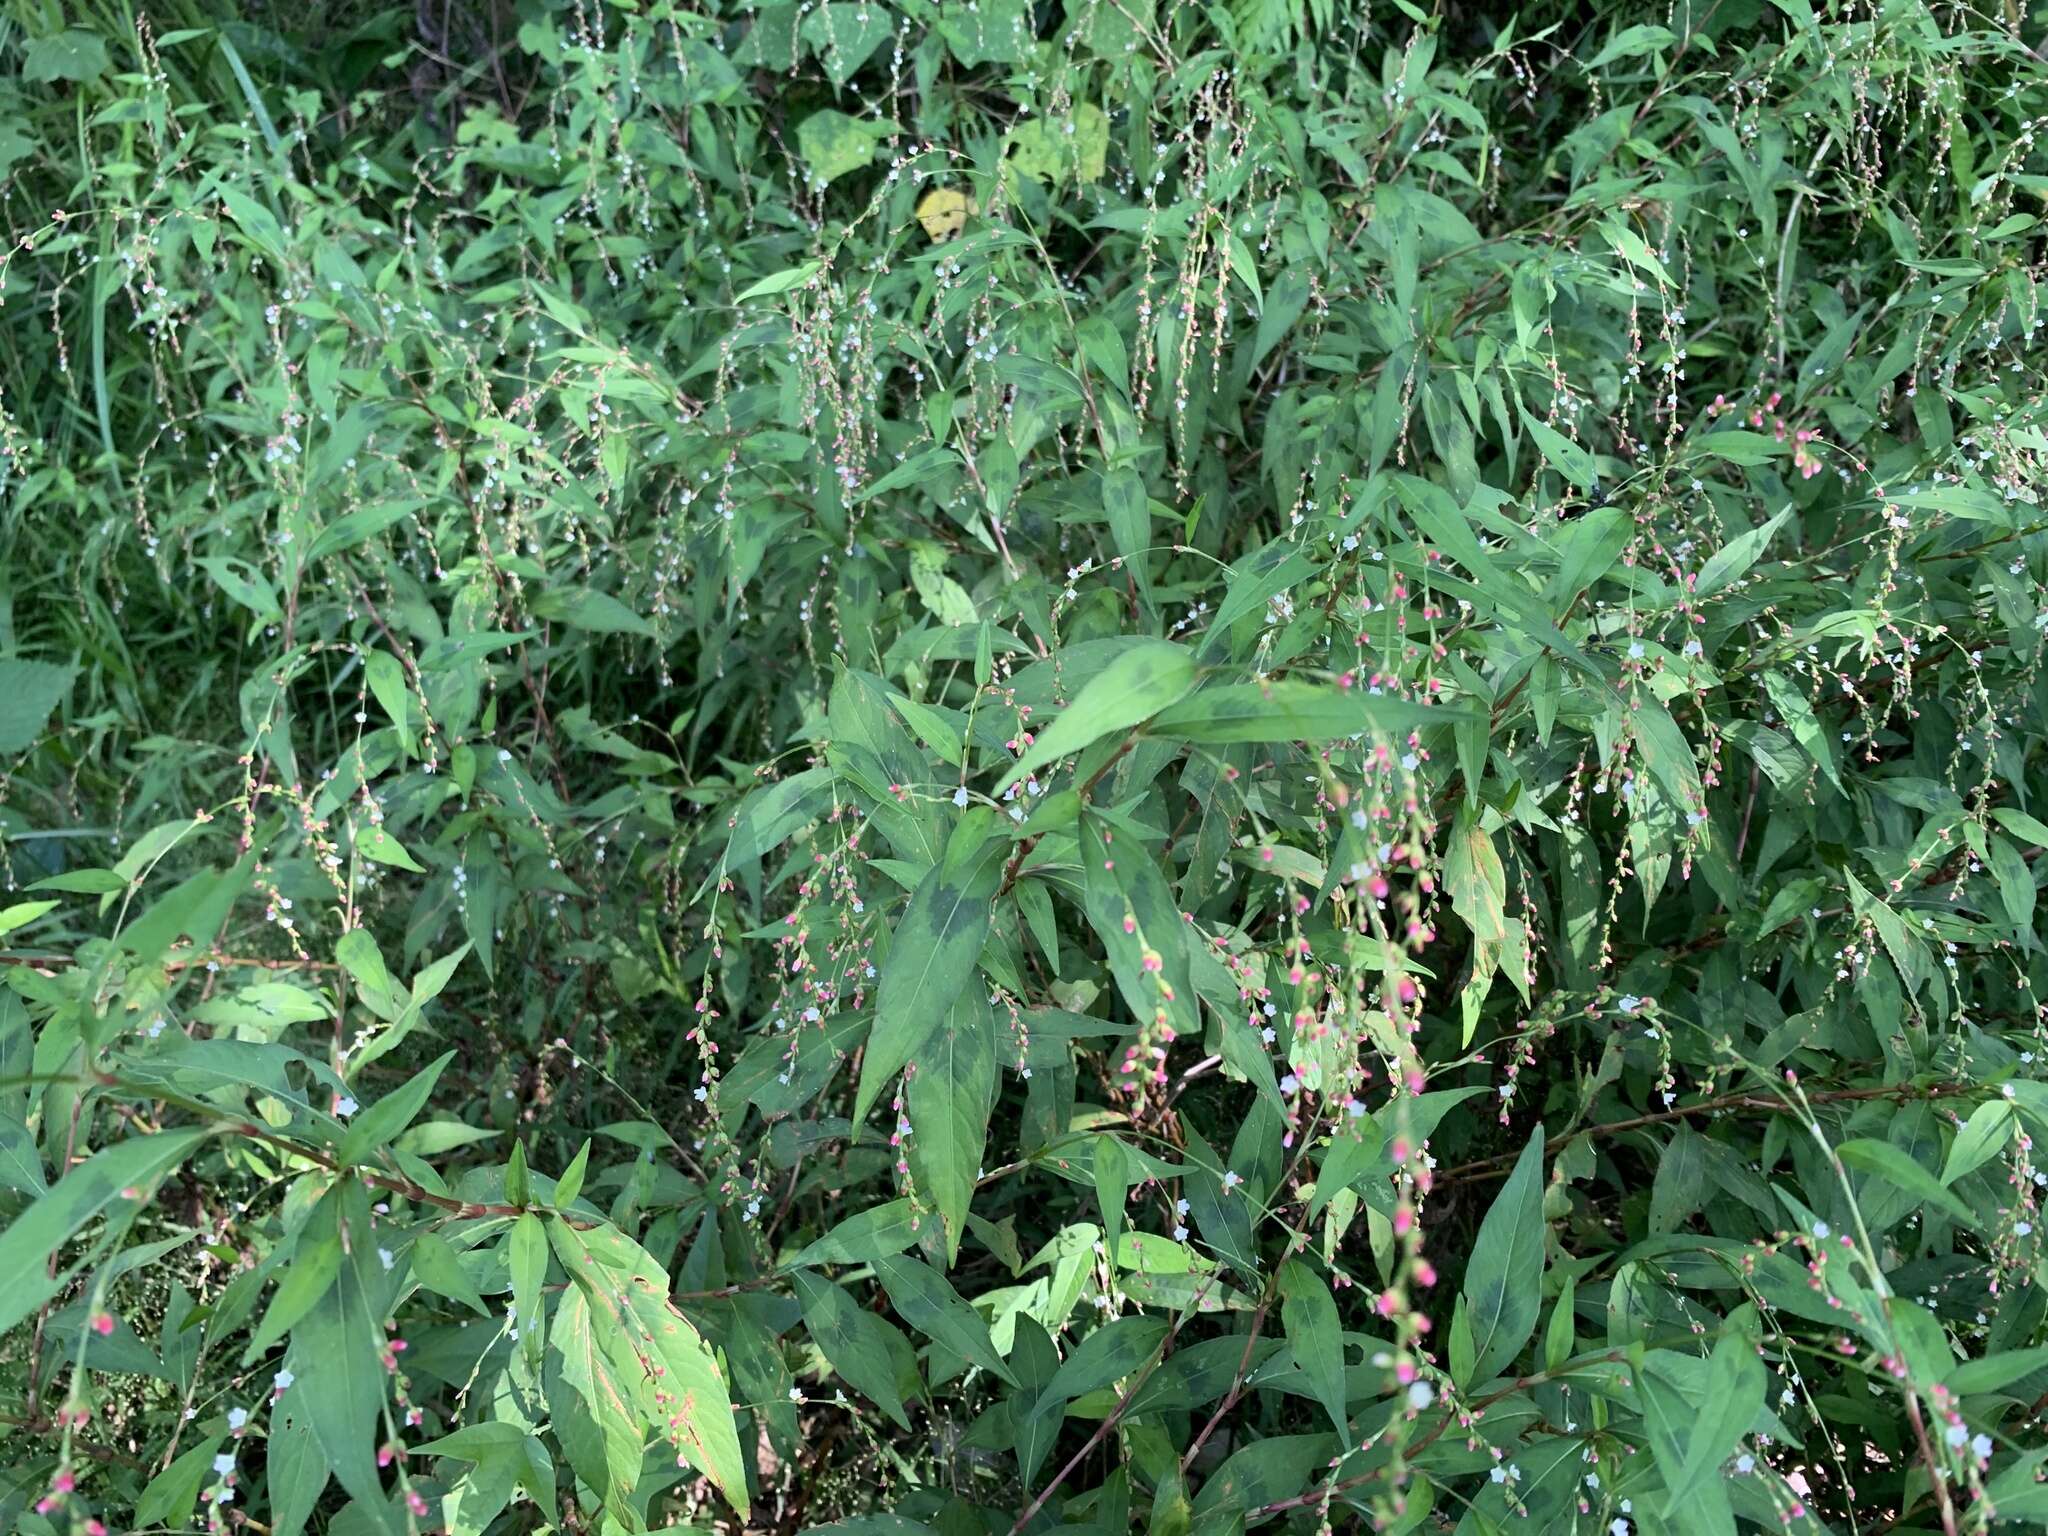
(1012, 764)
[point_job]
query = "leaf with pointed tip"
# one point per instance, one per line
(1308, 1314)
(854, 1340)
(933, 953)
(923, 1298)
(1145, 678)
(1504, 1280)
(948, 1100)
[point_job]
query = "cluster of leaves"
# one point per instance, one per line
(1014, 765)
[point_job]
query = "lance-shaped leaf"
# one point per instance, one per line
(1504, 1281)
(923, 1298)
(1308, 1313)
(948, 1099)
(932, 958)
(119, 1176)
(671, 1383)
(1143, 680)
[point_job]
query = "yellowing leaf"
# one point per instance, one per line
(943, 212)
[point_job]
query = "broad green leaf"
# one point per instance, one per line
(122, 1176)
(1286, 711)
(1308, 1313)
(30, 692)
(1891, 1164)
(594, 1404)
(948, 1098)
(337, 1354)
(1109, 1354)
(1143, 680)
(834, 144)
(933, 953)
(437, 1267)
(855, 1341)
(864, 1236)
(1477, 882)
(923, 1298)
(380, 1124)
(1504, 1277)
(672, 1384)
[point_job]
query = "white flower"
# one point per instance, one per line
(1180, 1234)
(282, 1380)
(1420, 1395)
(1629, 1003)
(237, 1417)
(1498, 1474)
(1821, 1230)
(1956, 1435)
(1745, 1464)
(1635, 651)
(384, 1257)
(1980, 1447)
(960, 796)
(796, 1394)
(1619, 1527)
(223, 1465)
(1410, 761)
(1231, 1180)
(1180, 1207)
(345, 1106)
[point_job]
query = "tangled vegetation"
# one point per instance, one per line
(985, 766)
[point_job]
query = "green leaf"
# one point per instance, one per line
(570, 1184)
(121, 1175)
(336, 1357)
(380, 1124)
(295, 1466)
(1983, 1136)
(671, 1382)
(1695, 1412)
(77, 56)
(834, 144)
(1109, 1354)
(855, 1341)
(1144, 679)
(1732, 560)
(1995, 1372)
(780, 282)
(948, 1099)
(596, 1416)
(865, 1236)
(1571, 459)
(1288, 711)
(923, 1298)
(595, 612)
(1112, 1180)
(1504, 1279)
(1308, 1313)
(1476, 880)
(169, 1498)
(376, 844)
(30, 692)
(316, 1262)
(1893, 1165)
(933, 953)
(437, 1267)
